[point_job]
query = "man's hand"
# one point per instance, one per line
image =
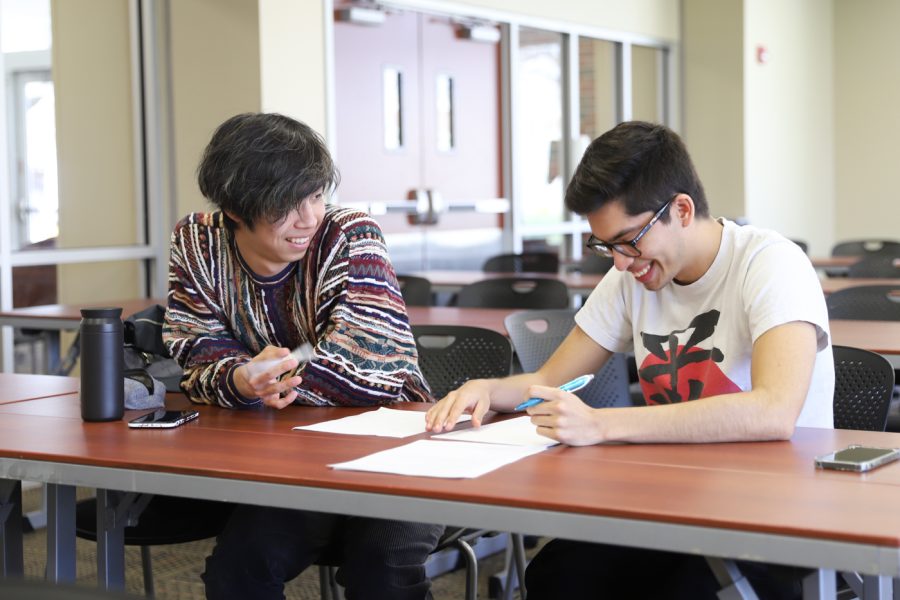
(474, 397)
(259, 377)
(564, 417)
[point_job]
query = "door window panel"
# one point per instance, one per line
(540, 127)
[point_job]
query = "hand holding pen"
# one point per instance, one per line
(571, 386)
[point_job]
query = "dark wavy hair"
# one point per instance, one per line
(262, 165)
(643, 165)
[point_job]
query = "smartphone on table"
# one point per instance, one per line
(857, 458)
(164, 418)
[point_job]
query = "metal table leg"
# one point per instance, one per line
(12, 562)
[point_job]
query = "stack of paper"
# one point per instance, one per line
(429, 458)
(514, 432)
(458, 454)
(385, 422)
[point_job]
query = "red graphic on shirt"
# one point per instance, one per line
(677, 372)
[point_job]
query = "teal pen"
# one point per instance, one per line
(572, 386)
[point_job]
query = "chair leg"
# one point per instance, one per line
(336, 592)
(468, 554)
(517, 541)
(324, 583)
(147, 565)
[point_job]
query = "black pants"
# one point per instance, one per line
(263, 548)
(566, 569)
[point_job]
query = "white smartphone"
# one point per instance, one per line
(164, 418)
(857, 458)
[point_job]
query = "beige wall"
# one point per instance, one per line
(867, 125)
(215, 74)
(95, 145)
(762, 134)
(788, 119)
(292, 60)
(713, 71)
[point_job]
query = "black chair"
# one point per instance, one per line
(416, 291)
(865, 303)
(865, 248)
(536, 334)
(863, 385)
(803, 245)
(527, 262)
(876, 266)
(158, 520)
(514, 292)
(594, 264)
(450, 355)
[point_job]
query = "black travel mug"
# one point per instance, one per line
(102, 364)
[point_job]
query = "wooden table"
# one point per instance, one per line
(452, 281)
(882, 337)
(833, 284)
(16, 387)
(760, 500)
(838, 264)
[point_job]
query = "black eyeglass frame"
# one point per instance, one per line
(628, 248)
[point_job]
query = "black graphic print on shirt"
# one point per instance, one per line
(677, 372)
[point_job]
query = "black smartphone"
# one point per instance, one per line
(164, 418)
(857, 458)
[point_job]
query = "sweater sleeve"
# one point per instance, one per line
(365, 351)
(195, 332)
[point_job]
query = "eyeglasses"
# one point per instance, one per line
(629, 248)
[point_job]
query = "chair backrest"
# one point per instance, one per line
(865, 303)
(536, 334)
(416, 291)
(514, 292)
(450, 355)
(595, 264)
(527, 262)
(876, 266)
(863, 384)
(867, 248)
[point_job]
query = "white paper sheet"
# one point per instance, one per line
(515, 432)
(384, 422)
(428, 458)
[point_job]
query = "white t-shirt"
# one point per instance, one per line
(758, 280)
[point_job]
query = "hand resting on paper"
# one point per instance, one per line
(472, 397)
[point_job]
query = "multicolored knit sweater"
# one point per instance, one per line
(343, 298)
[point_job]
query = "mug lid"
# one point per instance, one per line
(101, 313)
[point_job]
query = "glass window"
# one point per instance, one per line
(444, 109)
(540, 127)
(597, 90)
(647, 82)
(25, 25)
(392, 90)
(35, 199)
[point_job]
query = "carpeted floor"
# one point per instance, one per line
(177, 568)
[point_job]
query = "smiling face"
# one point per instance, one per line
(665, 252)
(270, 247)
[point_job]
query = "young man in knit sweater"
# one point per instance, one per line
(275, 267)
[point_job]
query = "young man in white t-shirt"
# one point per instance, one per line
(731, 316)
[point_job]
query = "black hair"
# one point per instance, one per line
(262, 165)
(643, 165)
